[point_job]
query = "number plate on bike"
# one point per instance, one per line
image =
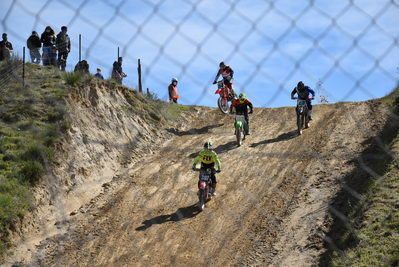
(240, 118)
(301, 103)
(205, 177)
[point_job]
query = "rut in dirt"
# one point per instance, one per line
(272, 197)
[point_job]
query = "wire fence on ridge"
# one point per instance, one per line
(236, 47)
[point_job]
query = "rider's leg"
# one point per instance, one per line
(214, 183)
(229, 85)
(309, 109)
(246, 126)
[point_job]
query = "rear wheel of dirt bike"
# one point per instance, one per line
(223, 105)
(202, 199)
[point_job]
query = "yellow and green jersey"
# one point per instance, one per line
(208, 157)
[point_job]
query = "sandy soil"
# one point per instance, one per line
(271, 207)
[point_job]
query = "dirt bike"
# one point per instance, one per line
(239, 125)
(302, 116)
(205, 189)
(225, 96)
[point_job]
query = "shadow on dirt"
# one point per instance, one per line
(180, 214)
(280, 138)
(219, 149)
(194, 131)
(226, 147)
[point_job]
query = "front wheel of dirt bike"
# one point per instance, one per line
(300, 122)
(223, 105)
(202, 199)
(239, 136)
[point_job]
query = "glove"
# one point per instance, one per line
(215, 82)
(251, 111)
(194, 169)
(217, 171)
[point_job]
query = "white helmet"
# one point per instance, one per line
(174, 80)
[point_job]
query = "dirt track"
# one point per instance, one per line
(271, 203)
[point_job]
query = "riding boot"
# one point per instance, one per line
(213, 189)
(246, 127)
(310, 115)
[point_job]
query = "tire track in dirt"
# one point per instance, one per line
(150, 219)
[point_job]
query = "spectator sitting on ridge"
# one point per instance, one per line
(82, 67)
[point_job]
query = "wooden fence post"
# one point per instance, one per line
(80, 47)
(23, 67)
(139, 72)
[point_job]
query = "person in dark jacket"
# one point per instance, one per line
(241, 106)
(117, 72)
(63, 44)
(34, 44)
(304, 93)
(5, 48)
(227, 74)
(48, 40)
(82, 67)
(98, 75)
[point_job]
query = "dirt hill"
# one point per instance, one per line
(122, 191)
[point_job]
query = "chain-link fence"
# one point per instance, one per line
(345, 50)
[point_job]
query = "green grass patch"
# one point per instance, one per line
(32, 120)
(373, 239)
(377, 237)
(392, 98)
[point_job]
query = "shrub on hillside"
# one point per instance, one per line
(34, 152)
(72, 78)
(31, 171)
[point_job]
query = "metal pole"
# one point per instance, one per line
(23, 67)
(139, 72)
(80, 47)
(118, 53)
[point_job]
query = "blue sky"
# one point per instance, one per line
(270, 44)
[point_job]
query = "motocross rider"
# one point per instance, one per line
(227, 74)
(303, 94)
(241, 106)
(208, 159)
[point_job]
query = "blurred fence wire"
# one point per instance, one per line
(269, 44)
(341, 48)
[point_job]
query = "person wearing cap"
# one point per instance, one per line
(5, 48)
(33, 43)
(63, 44)
(98, 75)
(117, 72)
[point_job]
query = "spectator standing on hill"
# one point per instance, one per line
(63, 44)
(34, 44)
(117, 72)
(48, 40)
(172, 89)
(5, 48)
(98, 75)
